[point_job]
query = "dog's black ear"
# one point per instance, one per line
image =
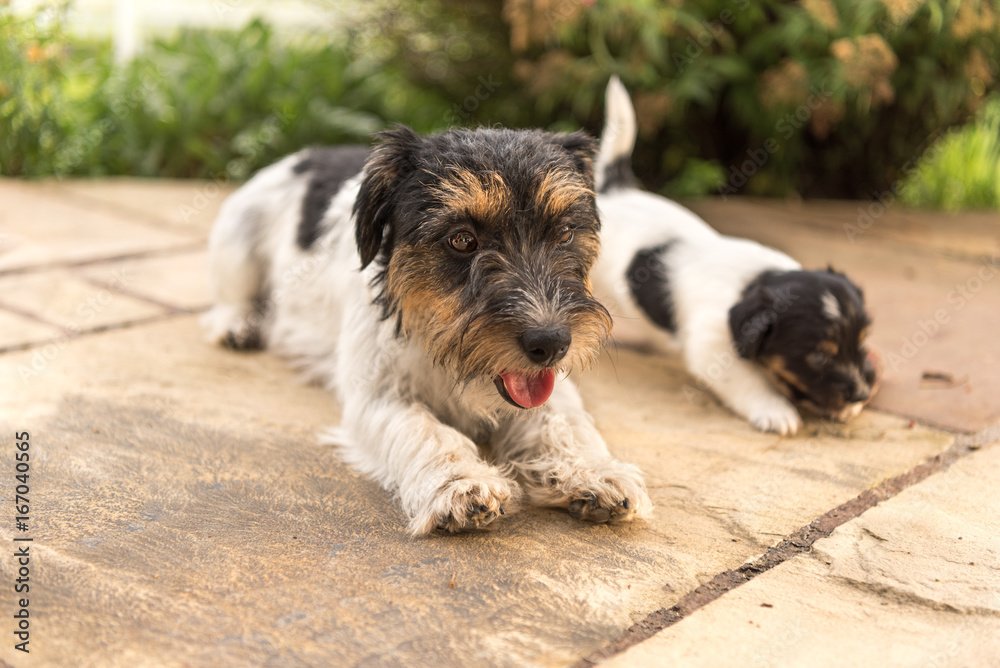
(581, 147)
(751, 319)
(376, 204)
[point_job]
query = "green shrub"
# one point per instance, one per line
(815, 97)
(35, 101)
(818, 97)
(199, 104)
(962, 169)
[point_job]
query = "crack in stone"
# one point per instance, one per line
(125, 324)
(903, 596)
(179, 249)
(875, 535)
(800, 541)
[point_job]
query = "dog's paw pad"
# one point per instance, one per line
(468, 505)
(247, 340)
(776, 416)
(477, 516)
(587, 508)
(603, 495)
(592, 509)
(233, 327)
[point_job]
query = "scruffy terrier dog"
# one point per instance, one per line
(763, 334)
(440, 293)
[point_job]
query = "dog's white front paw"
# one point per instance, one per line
(614, 491)
(775, 414)
(233, 327)
(466, 504)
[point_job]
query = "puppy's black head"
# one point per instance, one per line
(807, 329)
(485, 240)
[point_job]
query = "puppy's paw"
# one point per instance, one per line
(466, 504)
(775, 414)
(233, 328)
(850, 411)
(612, 492)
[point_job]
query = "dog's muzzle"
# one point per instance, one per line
(545, 346)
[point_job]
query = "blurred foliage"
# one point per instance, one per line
(455, 50)
(962, 169)
(814, 97)
(200, 104)
(845, 91)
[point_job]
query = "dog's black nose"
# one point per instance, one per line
(546, 345)
(860, 393)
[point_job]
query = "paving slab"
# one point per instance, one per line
(183, 483)
(42, 227)
(177, 280)
(932, 282)
(914, 581)
(68, 301)
(17, 330)
(967, 234)
(181, 205)
(187, 515)
(701, 457)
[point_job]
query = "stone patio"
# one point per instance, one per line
(183, 513)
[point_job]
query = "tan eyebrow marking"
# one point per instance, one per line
(559, 190)
(478, 195)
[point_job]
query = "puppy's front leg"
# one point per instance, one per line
(740, 384)
(441, 480)
(564, 462)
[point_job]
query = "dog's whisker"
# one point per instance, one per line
(613, 359)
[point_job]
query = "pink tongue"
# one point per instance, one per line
(529, 391)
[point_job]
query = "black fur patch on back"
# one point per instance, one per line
(328, 167)
(619, 174)
(650, 287)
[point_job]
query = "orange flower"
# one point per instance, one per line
(823, 12)
(900, 11)
(825, 118)
(970, 20)
(36, 53)
(978, 67)
(786, 83)
(533, 21)
(868, 62)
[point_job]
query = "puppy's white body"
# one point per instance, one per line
(753, 326)
(707, 273)
(405, 421)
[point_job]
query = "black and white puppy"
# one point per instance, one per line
(440, 292)
(756, 329)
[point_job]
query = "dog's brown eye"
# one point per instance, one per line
(565, 234)
(463, 242)
(818, 359)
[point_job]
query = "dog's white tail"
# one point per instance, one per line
(614, 157)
